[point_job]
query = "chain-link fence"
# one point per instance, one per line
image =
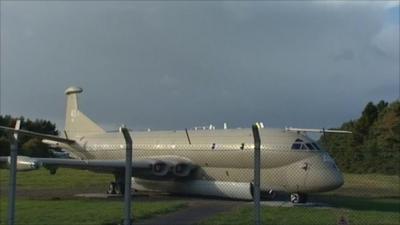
(198, 177)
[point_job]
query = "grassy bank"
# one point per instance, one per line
(63, 179)
(82, 212)
(365, 199)
(49, 199)
(369, 185)
(370, 199)
(299, 216)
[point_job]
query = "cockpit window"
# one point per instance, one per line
(300, 144)
(296, 146)
(310, 146)
(316, 146)
(304, 146)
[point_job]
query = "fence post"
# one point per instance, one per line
(256, 191)
(13, 175)
(128, 176)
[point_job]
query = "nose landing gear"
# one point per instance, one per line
(298, 198)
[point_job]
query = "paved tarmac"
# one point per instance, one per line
(199, 208)
(195, 212)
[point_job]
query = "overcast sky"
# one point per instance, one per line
(171, 65)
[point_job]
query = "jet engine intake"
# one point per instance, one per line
(159, 168)
(182, 169)
(169, 167)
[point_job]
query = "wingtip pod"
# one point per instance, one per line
(24, 163)
(317, 130)
(73, 90)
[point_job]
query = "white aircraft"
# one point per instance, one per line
(207, 162)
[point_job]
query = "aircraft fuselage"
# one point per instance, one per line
(225, 157)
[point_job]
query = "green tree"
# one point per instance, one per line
(4, 146)
(381, 106)
(30, 146)
(374, 145)
(35, 148)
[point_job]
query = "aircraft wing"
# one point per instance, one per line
(157, 167)
(141, 168)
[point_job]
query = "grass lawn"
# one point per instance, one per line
(309, 216)
(82, 212)
(370, 199)
(369, 185)
(63, 179)
(34, 206)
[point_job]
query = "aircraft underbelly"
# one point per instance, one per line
(225, 189)
(221, 182)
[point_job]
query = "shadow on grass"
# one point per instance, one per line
(385, 204)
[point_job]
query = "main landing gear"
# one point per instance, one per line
(117, 187)
(298, 198)
(268, 195)
(265, 195)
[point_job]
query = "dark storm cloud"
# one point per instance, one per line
(181, 64)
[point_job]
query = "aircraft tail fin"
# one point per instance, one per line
(77, 123)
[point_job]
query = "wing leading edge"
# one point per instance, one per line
(141, 168)
(161, 167)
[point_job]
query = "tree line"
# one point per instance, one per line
(374, 145)
(28, 146)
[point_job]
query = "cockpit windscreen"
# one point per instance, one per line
(301, 145)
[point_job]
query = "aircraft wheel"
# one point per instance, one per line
(120, 188)
(298, 198)
(111, 189)
(268, 195)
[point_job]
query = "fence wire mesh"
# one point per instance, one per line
(199, 181)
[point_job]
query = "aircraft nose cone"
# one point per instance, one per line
(325, 179)
(333, 179)
(338, 180)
